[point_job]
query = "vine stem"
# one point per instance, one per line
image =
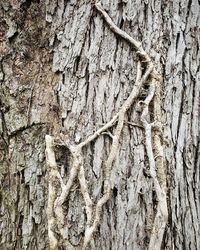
(55, 214)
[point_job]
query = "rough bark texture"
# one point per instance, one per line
(63, 70)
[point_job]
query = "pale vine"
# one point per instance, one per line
(154, 149)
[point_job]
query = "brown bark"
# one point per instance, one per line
(63, 70)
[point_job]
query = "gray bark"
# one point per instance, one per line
(64, 70)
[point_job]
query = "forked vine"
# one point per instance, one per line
(154, 149)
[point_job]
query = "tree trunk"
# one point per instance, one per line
(64, 74)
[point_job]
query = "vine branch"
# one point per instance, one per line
(55, 213)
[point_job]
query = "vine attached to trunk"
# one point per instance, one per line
(154, 149)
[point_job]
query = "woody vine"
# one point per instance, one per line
(148, 76)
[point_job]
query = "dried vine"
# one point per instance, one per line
(153, 145)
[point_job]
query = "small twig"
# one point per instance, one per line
(86, 196)
(162, 213)
(109, 134)
(58, 218)
(77, 162)
(137, 45)
(161, 217)
(114, 148)
(122, 33)
(50, 159)
(99, 131)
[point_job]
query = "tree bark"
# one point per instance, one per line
(65, 73)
